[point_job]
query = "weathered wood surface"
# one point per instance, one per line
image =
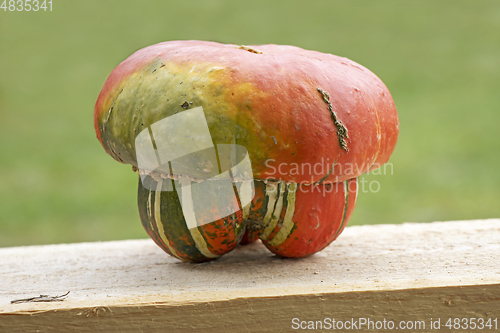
(393, 272)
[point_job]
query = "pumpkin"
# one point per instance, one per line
(291, 128)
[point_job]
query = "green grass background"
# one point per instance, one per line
(440, 59)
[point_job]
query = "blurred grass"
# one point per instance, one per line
(441, 61)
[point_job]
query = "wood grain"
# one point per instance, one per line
(394, 272)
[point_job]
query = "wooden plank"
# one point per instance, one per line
(408, 272)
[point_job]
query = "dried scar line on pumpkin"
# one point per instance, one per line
(341, 129)
(158, 176)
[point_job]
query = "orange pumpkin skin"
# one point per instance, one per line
(287, 106)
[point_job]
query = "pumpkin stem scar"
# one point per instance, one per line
(249, 49)
(341, 129)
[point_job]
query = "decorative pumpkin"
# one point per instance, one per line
(307, 123)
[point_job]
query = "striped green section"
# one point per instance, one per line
(287, 225)
(172, 221)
